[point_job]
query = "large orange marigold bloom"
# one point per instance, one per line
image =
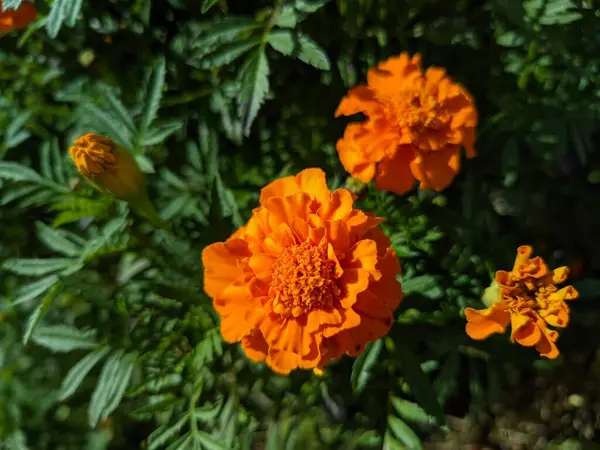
(530, 301)
(416, 125)
(307, 279)
(16, 18)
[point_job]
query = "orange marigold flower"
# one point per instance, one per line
(307, 279)
(16, 18)
(416, 125)
(529, 300)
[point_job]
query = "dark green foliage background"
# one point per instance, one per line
(217, 99)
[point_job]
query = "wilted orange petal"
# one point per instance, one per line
(523, 254)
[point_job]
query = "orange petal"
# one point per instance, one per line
(262, 266)
(524, 252)
(255, 346)
(286, 209)
(282, 362)
(485, 322)
(338, 207)
(363, 255)
(350, 319)
(289, 334)
(337, 234)
(319, 317)
(352, 282)
(388, 289)
(310, 181)
(220, 262)
(546, 346)
(525, 331)
(24, 15)
(359, 99)
(395, 174)
(435, 170)
(355, 160)
(566, 293)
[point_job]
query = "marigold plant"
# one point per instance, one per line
(309, 277)
(529, 300)
(416, 124)
(16, 18)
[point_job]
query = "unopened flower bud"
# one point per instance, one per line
(113, 170)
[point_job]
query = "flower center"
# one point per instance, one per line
(302, 280)
(417, 110)
(94, 155)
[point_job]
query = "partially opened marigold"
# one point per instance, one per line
(529, 301)
(416, 125)
(16, 18)
(307, 279)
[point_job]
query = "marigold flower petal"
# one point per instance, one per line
(17, 18)
(417, 122)
(287, 283)
(530, 301)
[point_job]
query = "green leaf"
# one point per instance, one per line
(224, 31)
(425, 285)
(159, 132)
(35, 266)
(228, 53)
(109, 125)
(304, 48)
(63, 338)
(112, 383)
(39, 312)
(16, 172)
(163, 434)
(183, 443)
(312, 54)
(404, 433)
(419, 382)
(361, 369)
(60, 241)
(208, 442)
(154, 94)
(33, 290)
(309, 6)
(57, 16)
(287, 17)
(118, 109)
(163, 405)
(254, 79)
(206, 5)
(72, 12)
(79, 371)
(11, 4)
(411, 411)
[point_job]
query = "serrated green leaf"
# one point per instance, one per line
(208, 442)
(162, 405)
(254, 79)
(228, 53)
(183, 443)
(206, 5)
(11, 4)
(39, 312)
(57, 16)
(79, 371)
(425, 285)
(63, 338)
(106, 124)
(287, 17)
(300, 45)
(156, 85)
(34, 266)
(112, 383)
(163, 434)
(118, 109)
(404, 433)
(59, 240)
(72, 12)
(159, 132)
(33, 290)
(225, 31)
(361, 369)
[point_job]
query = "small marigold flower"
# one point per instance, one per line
(307, 279)
(529, 300)
(416, 125)
(113, 170)
(16, 18)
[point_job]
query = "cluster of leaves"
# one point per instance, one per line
(107, 339)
